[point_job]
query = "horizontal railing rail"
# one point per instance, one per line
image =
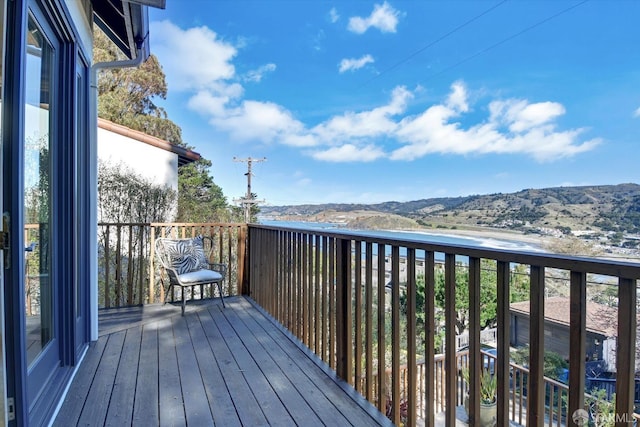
(366, 305)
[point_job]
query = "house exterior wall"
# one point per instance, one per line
(556, 337)
(158, 165)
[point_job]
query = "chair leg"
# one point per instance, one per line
(166, 294)
(184, 301)
(221, 296)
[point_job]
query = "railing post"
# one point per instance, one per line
(152, 268)
(411, 337)
(536, 387)
(475, 367)
(244, 246)
(502, 364)
(429, 334)
(381, 374)
(344, 318)
(577, 343)
(450, 365)
(395, 334)
(625, 351)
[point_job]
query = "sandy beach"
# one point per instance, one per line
(492, 233)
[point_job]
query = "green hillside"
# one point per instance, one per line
(595, 210)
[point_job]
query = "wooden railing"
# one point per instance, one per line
(340, 298)
(127, 271)
(340, 294)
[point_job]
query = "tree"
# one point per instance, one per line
(199, 198)
(488, 294)
(126, 96)
(519, 290)
(124, 196)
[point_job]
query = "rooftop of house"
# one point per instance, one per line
(601, 319)
(185, 156)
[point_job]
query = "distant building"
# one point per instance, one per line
(602, 324)
(151, 157)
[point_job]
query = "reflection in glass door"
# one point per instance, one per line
(39, 307)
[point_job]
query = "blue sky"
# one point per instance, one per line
(370, 101)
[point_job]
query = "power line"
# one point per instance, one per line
(439, 39)
(511, 37)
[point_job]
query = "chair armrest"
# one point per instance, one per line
(219, 267)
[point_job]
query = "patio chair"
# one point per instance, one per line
(186, 264)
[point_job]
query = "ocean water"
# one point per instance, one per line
(413, 235)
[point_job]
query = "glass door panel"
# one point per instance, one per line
(39, 299)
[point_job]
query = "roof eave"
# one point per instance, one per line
(126, 24)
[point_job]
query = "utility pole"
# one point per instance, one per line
(248, 201)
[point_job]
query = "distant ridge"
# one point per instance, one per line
(593, 209)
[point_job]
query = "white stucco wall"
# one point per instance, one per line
(151, 162)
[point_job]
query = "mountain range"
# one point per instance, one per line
(597, 209)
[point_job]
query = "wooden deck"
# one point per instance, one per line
(215, 366)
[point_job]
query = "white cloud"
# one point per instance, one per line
(261, 121)
(514, 126)
(520, 115)
(377, 122)
(637, 113)
(350, 153)
(384, 18)
(353, 64)
(457, 99)
(333, 15)
(256, 75)
(193, 58)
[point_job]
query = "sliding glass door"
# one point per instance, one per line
(42, 343)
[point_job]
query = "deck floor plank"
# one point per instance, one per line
(244, 401)
(124, 389)
(76, 396)
(284, 354)
(97, 404)
(170, 392)
(327, 384)
(285, 389)
(215, 366)
(219, 398)
(145, 409)
(268, 400)
(196, 405)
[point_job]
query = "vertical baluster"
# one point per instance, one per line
(332, 303)
(395, 333)
(325, 306)
(411, 385)
(625, 350)
(502, 362)
(358, 314)
(107, 267)
(535, 393)
(450, 338)
(317, 348)
(475, 367)
(577, 340)
(369, 320)
(381, 330)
